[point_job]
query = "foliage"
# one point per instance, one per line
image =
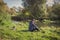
(56, 10)
(5, 18)
(36, 8)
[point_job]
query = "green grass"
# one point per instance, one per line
(21, 32)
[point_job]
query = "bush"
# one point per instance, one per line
(5, 18)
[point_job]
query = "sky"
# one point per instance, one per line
(50, 2)
(12, 3)
(18, 3)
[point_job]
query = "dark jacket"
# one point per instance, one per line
(32, 25)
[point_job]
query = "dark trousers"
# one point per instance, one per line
(34, 29)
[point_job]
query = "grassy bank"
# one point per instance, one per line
(19, 31)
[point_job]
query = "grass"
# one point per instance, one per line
(19, 31)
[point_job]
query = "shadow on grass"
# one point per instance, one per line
(24, 31)
(27, 31)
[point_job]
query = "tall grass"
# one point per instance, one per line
(21, 32)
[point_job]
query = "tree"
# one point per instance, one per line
(4, 15)
(54, 12)
(36, 8)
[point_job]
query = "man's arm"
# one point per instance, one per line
(34, 24)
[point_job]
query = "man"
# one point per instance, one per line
(32, 26)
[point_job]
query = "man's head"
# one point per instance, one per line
(33, 19)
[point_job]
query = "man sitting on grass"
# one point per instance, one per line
(32, 26)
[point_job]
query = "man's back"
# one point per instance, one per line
(30, 25)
